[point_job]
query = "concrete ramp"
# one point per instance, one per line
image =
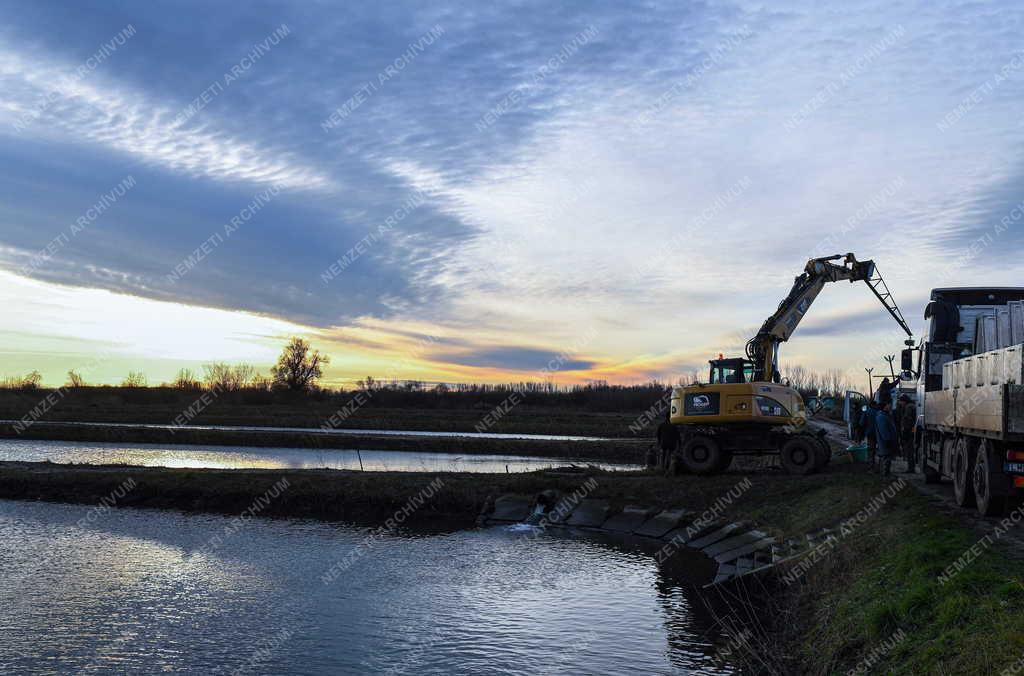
(628, 520)
(590, 513)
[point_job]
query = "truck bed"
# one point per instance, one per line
(993, 411)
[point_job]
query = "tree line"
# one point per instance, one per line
(299, 369)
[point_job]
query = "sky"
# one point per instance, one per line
(490, 192)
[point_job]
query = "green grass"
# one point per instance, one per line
(884, 578)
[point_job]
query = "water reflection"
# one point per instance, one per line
(138, 592)
(329, 431)
(241, 457)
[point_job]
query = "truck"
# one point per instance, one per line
(969, 380)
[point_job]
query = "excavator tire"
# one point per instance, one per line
(702, 455)
(725, 461)
(800, 455)
(824, 454)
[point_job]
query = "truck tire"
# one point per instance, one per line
(931, 475)
(984, 466)
(963, 470)
(800, 455)
(701, 455)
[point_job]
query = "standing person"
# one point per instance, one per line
(885, 430)
(867, 423)
(884, 393)
(668, 440)
(905, 425)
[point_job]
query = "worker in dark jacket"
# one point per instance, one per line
(867, 423)
(668, 441)
(888, 437)
(906, 418)
(883, 395)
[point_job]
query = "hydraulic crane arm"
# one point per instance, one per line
(763, 349)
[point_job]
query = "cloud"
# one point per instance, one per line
(514, 359)
(603, 195)
(126, 121)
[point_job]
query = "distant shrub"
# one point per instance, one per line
(186, 380)
(134, 379)
(227, 378)
(32, 381)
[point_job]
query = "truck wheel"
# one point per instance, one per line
(963, 469)
(800, 455)
(988, 504)
(701, 455)
(931, 476)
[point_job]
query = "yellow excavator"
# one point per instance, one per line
(746, 408)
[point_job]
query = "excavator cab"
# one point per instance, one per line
(735, 370)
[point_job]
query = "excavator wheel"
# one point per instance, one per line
(703, 455)
(726, 460)
(824, 454)
(800, 455)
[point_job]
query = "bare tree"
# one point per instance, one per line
(223, 376)
(186, 380)
(835, 382)
(299, 366)
(798, 376)
(75, 379)
(134, 379)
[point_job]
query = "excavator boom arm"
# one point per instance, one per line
(763, 349)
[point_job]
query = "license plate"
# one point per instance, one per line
(1015, 467)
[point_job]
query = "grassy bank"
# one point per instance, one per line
(880, 593)
(626, 451)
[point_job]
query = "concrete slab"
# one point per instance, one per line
(560, 512)
(660, 524)
(734, 542)
(745, 550)
(690, 532)
(590, 513)
(715, 536)
(514, 508)
(628, 520)
(744, 565)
